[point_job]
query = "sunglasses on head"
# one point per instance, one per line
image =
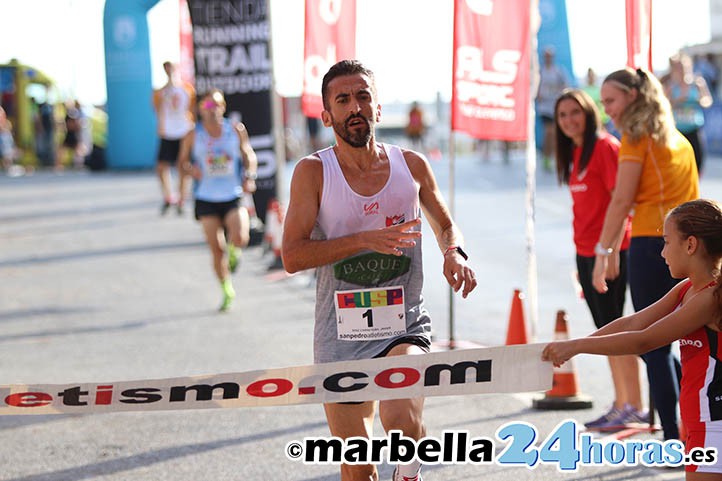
(210, 105)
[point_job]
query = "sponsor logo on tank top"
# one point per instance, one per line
(371, 269)
(371, 209)
(395, 220)
(578, 188)
(690, 342)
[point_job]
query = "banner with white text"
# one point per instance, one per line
(231, 45)
(490, 78)
(330, 36)
(503, 369)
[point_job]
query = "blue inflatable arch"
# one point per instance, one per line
(132, 136)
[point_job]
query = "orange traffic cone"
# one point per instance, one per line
(564, 392)
(517, 326)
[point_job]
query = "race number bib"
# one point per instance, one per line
(219, 165)
(370, 314)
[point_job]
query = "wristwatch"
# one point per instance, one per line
(457, 249)
(250, 175)
(602, 251)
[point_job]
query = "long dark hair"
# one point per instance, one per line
(565, 145)
(702, 218)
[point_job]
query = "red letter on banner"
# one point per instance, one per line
(28, 399)
(330, 37)
(490, 84)
(411, 377)
(283, 386)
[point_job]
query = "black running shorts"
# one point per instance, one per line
(215, 209)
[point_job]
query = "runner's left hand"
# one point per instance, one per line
(458, 273)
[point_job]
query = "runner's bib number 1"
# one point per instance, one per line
(368, 314)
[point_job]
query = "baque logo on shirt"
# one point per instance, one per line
(371, 209)
(371, 269)
(395, 220)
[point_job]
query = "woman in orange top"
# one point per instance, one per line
(657, 172)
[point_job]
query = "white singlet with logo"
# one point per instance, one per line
(368, 301)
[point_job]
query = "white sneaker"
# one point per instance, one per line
(397, 477)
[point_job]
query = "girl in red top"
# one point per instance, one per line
(691, 312)
(587, 162)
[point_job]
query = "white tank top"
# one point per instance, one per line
(174, 114)
(342, 212)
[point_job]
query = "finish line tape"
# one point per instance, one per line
(470, 371)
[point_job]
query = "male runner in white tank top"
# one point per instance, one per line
(354, 206)
(174, 104)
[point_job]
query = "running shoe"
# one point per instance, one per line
(634, 417)
(164, 208)
(397, 477)
(227, 302)
(179, 209)
(234, 259)
(604, 419)
(628, 417)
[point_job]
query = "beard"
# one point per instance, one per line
(359, 137)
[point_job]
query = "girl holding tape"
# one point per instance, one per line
(691, 312)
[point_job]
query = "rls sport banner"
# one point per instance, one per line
(231, 43)
(472, 371)
(490, 87)
(330, 37)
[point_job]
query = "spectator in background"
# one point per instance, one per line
(8, 151)
(591, 88)
(415, 127)
(71, 147)
(587, 160)
(552, 81)
(45, 133)
(688, 94)
(704, 65)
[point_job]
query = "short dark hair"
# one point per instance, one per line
(340, 69)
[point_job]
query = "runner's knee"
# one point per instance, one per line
(363, 472)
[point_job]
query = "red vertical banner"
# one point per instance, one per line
(490, 86)
(639, 33)
(187, 67)
(330, 37)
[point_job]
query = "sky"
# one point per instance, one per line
(415, 36)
